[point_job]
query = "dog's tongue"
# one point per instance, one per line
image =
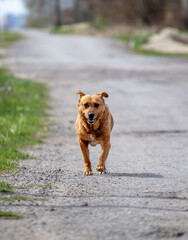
(91, 120)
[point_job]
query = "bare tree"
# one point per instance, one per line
(58, 12)
(44, 12)
(159, 12)
(150, 12)
(173, 13)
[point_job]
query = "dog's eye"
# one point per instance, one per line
(86, 105)
(96, 105)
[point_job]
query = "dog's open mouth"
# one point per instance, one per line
(91, 120)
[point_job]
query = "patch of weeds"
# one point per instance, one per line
(135, 42)
(22, 117)
(63, 30)
(19, 198)
(5, 187)
(81, 28)
(10, 215)
(162, 54)
(25, 186)
(185, 31)
(7, 38)
(15, 198)
(99, 24)
(48, 185)
(19, 187)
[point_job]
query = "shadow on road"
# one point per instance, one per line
(136, 175)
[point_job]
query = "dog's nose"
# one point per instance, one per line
(91, 115)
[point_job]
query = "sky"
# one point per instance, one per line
(18, 7)
(12, 6)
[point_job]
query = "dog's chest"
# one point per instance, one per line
(92, 140)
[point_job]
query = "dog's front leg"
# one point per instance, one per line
(104, 154)
(85, 152)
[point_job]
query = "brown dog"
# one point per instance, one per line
(93, 126)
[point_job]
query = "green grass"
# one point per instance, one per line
(81, 28)
(19, 198)
(62, 30)
(185, 31)
(162, 54)
(5, 187)
(48, 185)
(135, 42)
(10, 215)
(7, 38)
(22, 112)
(14, 198)
(99, 24)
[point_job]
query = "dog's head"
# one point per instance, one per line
(91, 107)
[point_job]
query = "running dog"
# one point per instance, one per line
(93, 125)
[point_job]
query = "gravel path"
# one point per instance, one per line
(145, 193)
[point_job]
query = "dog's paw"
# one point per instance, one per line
(101, 169)
(88, 172)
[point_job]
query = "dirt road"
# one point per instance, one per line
(145, 193)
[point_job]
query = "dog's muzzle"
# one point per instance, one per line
(91, 118)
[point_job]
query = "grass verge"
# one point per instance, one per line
(48, 185)
(135, 42)
(185, 31)
(62, 30)
(7, 38)
(10, 215)
(5, 187)
(22, 117)
(87, 28)
(134, 39)
(19, 198)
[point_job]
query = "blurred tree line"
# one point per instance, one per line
(172, 13)
(45, 13)
(148, 12)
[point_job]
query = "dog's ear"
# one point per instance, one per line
(102, 94)
(81, 94)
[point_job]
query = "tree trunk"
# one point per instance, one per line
(57, 12)
(173, 13)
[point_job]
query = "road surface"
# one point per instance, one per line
(145, 193)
